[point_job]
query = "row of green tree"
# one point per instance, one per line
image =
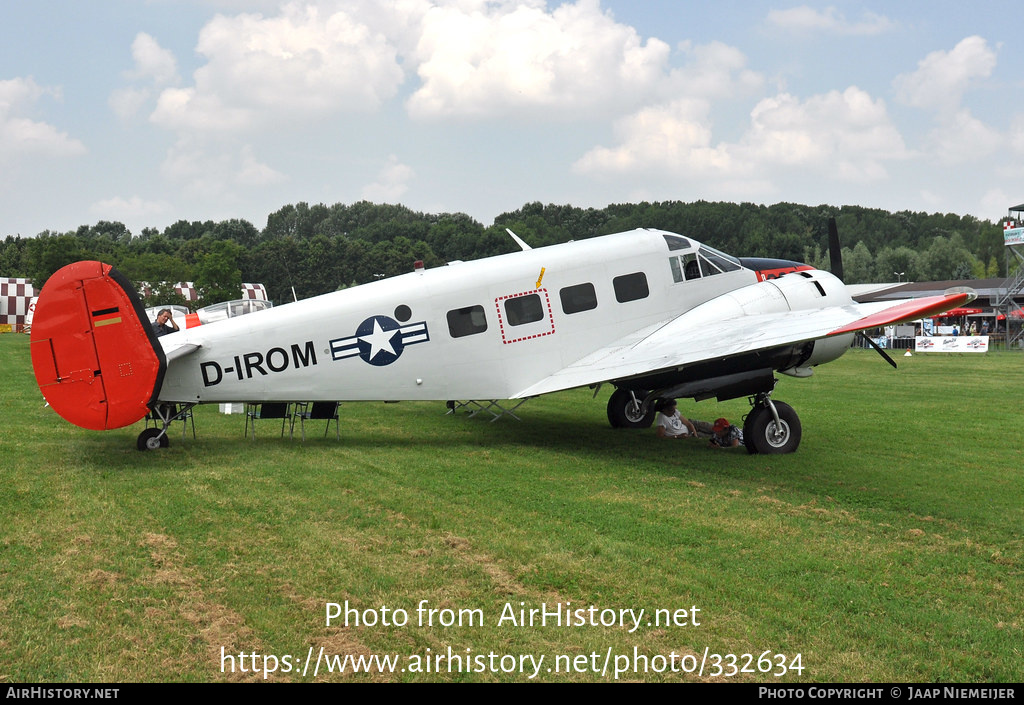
(316, 249)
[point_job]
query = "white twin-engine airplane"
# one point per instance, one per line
(654, 314)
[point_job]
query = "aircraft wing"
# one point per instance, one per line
(703, 334)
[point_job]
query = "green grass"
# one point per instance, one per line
(888, 548)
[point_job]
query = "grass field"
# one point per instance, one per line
(888, 548)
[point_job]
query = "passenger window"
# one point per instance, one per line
(631, 287)
(467, 321)
(524, 309)
(581, 297)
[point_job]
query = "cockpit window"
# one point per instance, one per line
(721, 261)
(707, 262)
(684, 267)
(675, 242)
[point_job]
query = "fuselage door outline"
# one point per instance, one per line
(533, 326)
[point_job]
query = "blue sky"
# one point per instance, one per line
(148, 112)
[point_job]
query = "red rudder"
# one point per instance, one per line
(95, 355)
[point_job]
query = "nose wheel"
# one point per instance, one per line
(771, 427)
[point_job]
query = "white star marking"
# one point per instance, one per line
(379, 340)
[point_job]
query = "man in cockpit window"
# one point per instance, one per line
(160, 326)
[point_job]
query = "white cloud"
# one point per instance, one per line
(961, 137)
(127, 209)
(804, 19)
(1016, 139)
(942, 77)
(152, 62)
(478, 59)
(154, 67)
(474, 59)
(391, 184)
(252, 172)
(189, 110)
(1006, 162)
(715, 70)
(939, 85)
(213, 172)
(20, 135)
(846, 136)
(301, 64)
(126, 102)
(18, 92)
(673, 138)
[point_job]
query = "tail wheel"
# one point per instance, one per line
(152, 439)
(762, 434)
(626, 410)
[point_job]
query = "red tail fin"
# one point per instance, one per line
(94, 353)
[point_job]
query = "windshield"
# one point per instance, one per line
(720, 261)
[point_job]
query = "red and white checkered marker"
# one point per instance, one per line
(257, 292)
(15, 296)
(188, 290)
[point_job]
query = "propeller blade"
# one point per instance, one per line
(834, 250)
(885, 355)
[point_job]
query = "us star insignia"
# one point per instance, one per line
(379, 340)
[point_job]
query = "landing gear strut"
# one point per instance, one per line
(771, 427)
(163, 415)
(626, 410)
(152, 439)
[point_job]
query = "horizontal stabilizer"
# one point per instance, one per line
(173, 350)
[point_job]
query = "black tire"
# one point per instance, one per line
(150, 439)
(623, 412)
(760, 434)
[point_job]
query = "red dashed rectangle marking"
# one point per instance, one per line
(549, 327)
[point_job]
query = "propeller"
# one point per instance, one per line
(834, 250)
(885, 355)
(836, 258)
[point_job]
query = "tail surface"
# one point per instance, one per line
(94, 353)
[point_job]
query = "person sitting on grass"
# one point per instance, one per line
(726, 435)
(671, 425)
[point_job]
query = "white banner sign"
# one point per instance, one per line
(1013, 236)
(949, 343)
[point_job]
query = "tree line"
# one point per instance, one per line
(315, 249)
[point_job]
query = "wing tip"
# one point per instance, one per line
(911, 310)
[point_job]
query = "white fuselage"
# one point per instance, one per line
(485, 329)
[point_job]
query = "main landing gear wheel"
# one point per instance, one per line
(152, 439)
(763, 434)
(625, 410)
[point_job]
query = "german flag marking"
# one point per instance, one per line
(106, 317)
